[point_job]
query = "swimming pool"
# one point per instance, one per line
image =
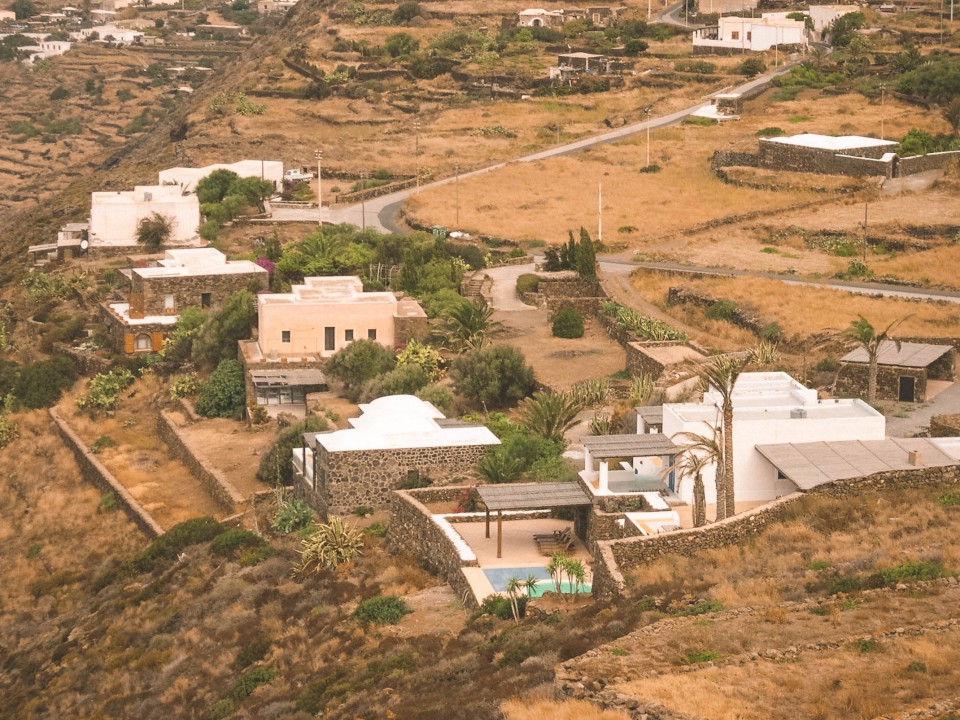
(499, 577)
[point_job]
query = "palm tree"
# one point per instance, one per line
(468, 326)
(530, 584)
(699, 453)
(576, 573)
(863, 333)
(556, 567)
(721, 376)
(514, 587)
(951, 113)
(549, 414)
(498, 467)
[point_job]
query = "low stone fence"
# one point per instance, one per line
(374, 192)
(945, 426)
(740, 315)
(213, 481)
(613, 557)
(930, 161)
(94, 472)
(641, 363)
(413, 531)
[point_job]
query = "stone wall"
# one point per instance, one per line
(122, 335)
(414, 532)
(95, 473)
(922, 163)
(147, 295)
(346, 480)
(87, 361)
(853, 377)
(406, 329)
(742, 315)
(858, 161)
(640, 363)
(731, 158)
(611, 558)
(213, 481)
(945, 426)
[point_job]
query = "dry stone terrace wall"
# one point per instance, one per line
(413, 532)
(347, 480)
(614, 557)
(215, 483)
(95, 473)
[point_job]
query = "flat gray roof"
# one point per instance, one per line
(815, 463)
(293, 376)
(532, 496)
(916, 355)
(651, 413)
(605, 447)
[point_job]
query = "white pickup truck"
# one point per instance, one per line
(297, 175)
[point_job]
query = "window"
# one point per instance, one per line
(285, 336)
(168, 303)
(372, 334)
(143, 341)
(735, 35)
(749, 35)
(329, 338)
(205, 300)
(348, 335)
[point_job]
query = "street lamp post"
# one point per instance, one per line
(882, 88)
(363, 201)
(318, 155)
(416, 130)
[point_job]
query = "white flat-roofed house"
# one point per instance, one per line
(538, 17)
(397, 439)
(45, 49)
(114, 216)
(7, 16)
(325, 314)
(769, 408)
(187, 178)
(108, 33)
(738, 34)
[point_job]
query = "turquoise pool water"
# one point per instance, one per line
(499, 577)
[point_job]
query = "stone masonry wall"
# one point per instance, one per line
(859, 161)
(95, 473)
(413, 532)
(186, 290)
(853, 377)
(945, 426)
(613, 557)
(213, 481)
(410, 328)
(347, 480)
(922, 163)
(640, 363)
(117, 330)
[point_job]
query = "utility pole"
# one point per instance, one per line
(882, 86)
(318, 155)
(363, 201)
(416, 130)
(600, 214)
(456, 187)
(865, 206)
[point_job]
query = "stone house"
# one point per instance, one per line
(902, 372)
(200, 277)
(538, 17)
(398, 441)
(809, 152)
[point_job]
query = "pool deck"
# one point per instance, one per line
(519, 549)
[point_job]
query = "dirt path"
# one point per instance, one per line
(504, 290)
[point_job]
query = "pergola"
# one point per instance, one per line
(528, 496)
(604, 448)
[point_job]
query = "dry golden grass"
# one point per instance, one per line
(569, 710)
(822, 309)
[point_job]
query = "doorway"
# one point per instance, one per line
(907, 389)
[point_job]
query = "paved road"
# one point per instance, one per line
(381, 213)
(620, 266)
(504, 289)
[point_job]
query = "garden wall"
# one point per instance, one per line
(613, 557)
(213, 481)
(414, 532)
(94, 472)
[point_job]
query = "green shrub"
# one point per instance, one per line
(651, 168)
(168, 546)
(229, 542)
(645, 328)
(292, 514)
(771, 332)
(250, 653)
(104, 391)
(495, 377)
(358, 363)
(275, 466)
(41, 384)
(528, 283)
(329, 546)
(184, 386)
(221, 709)
(8, 432)
(769, 132)
(845, 585)
(750, 67)
(701, 607)
(827, 364)
(866, 646)
(949, 499)
(224, 393)
(701, 656)
(102, 442)
(250, 681)
(568, 323)
(499, 606)
(381, 610)
(377, 529)
(721, 310)
(913, 571)
(108, 502)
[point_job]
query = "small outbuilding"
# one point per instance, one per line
(903, 372)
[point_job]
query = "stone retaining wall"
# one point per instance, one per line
(945, 426)
(640, 363)
(741, 316)
(413, 532)
(613, 557)
(213, 481)
(931, 161)
(350, 479)
(94, 472)
(853, 378)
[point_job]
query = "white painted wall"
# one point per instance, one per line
(114, 215)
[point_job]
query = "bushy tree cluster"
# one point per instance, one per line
(574, 255)
(496, 377)
(224, 195)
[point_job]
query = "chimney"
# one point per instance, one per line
(915, 458)
(798, 413)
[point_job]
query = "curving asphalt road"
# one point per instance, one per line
(382, 212)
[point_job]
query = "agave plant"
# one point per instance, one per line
(330, 546)
(590, 393)
(765, 353)
(641, 389)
